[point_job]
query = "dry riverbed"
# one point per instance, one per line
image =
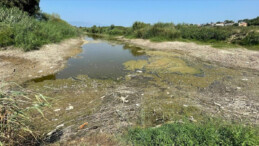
(19, 66)
(237, 57)
(167, 87)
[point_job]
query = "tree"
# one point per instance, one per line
(229, 21)
(30, 6)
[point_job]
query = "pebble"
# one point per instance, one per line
(238, 88)
(57, 110)
(139, 71)
(70, 107)
(40, 71)
(54, 119)
(185, 105)
(245, 79)
(137, 104)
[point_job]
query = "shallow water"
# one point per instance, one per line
(100, 59)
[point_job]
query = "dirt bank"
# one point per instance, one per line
(231, 58)
(19, 66)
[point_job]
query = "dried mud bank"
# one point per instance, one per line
(19, 66)
(237, 57)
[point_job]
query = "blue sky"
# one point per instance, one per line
(125, 12)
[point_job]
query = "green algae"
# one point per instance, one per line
(133, 65)
(161, 62)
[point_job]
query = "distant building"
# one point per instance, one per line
(220, 24)
(244, 24)
(229, 24)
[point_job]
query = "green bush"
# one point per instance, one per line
(30, 33)
(194, 134)
(251, 39)
(15, 120)
(6, 36)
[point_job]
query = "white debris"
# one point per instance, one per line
(70, 107)
(192, 119)
(59, 126)
(54, 119)
(124, 99)
(238, 88)
(139, 71)
(142, 94)
(57, 110)
(167, 93)
(137, 104)
(40, 71)
(245, 79)
(185, 105)
(102, 97)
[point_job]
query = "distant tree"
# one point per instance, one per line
(138, 25)
(112, 27)
(30, 6)
(229, 21)
(94, 29)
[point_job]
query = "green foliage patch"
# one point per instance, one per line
(21, 30)
(228, 35)
(209, 133)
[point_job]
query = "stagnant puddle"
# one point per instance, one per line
(99, 59)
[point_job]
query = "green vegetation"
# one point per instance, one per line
(251, 22)
(207, 133)
(217, 36)
(15, 119)
(30, 6)
(21, 30)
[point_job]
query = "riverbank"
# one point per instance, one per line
(237, 57)
(19, 66)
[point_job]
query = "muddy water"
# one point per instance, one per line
(100, 59)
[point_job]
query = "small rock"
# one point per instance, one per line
(57, 110)
(139, 71)
(245, 79)
(70, 107)
(51, 67)
(167, 93)
(185, 105)
(54, 119)
(30, 76)
(137, 104)
(142, 94)
(102, 97)
(40, 71)
(238, 88)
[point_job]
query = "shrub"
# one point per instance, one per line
(194, 134)
(6, 36)
(251, 39)
(30, 33)
(30, 6)
(15, 106)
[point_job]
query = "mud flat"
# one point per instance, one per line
(237, 57)
(19, 66)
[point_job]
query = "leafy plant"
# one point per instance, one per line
(15, 106)
(208, 133)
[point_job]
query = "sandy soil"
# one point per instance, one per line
(19, 66)
(237, 57)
